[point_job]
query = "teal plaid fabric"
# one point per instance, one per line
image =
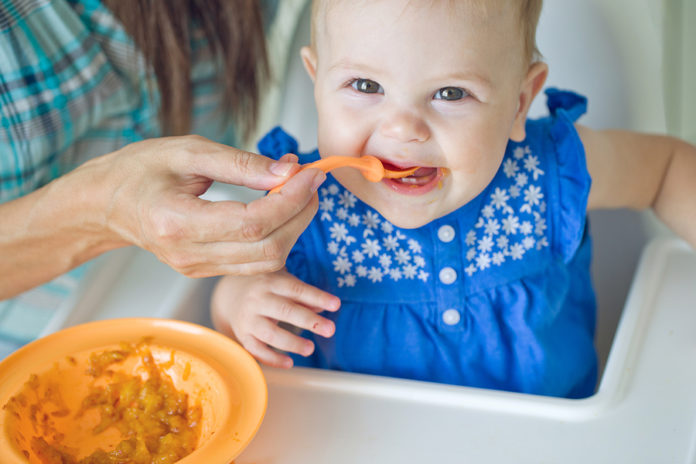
(73, 86)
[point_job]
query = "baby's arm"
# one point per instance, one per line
(248, 308)
(634, 170)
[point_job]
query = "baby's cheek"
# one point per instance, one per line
(341, 133)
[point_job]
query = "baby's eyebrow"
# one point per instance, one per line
(348, 64)
(468, 76)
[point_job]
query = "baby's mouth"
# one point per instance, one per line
(422, 175)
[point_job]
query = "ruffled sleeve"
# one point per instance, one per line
(569, 202)
(277, 143)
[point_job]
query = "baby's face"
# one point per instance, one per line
(433, 84)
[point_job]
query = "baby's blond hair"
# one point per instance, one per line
(530, 10)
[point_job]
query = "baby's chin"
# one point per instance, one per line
(404, 215)
(409, 221)
(408, 217)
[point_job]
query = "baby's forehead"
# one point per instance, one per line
(477, 11)
(473, 8)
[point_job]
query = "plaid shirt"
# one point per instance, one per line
(73, 86)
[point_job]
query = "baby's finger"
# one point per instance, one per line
(268, 332)
(309, 295)
(266, 355)
(285, 310)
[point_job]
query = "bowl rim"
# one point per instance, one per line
(220, 352)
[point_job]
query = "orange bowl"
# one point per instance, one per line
(213, 370)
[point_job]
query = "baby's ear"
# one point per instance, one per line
(309, 59)
(531, 86)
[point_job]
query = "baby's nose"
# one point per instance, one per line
(405, 126)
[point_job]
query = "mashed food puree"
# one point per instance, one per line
(153, 420)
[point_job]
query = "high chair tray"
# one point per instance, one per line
(644, 410)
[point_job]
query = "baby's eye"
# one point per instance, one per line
(450, 94)
(367, 86)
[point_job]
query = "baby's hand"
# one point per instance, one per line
(249, 309)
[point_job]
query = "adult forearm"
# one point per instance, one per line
(675, 202)
(53, 230)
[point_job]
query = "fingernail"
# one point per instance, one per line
(318, 180)
(281, 168)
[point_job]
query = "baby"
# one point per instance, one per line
(475, 270)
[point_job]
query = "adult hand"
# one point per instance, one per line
(249, 308)
(157, 206)
(147, 194)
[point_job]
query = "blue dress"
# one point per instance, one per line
(496, 294)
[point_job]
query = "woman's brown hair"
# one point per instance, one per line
(234, 30)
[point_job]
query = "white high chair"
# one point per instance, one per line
(644, 409)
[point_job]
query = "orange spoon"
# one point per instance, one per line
(370, 167)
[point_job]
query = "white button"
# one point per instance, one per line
(445, 233)
(448, 275)
(451, 316)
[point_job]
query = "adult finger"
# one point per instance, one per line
(233, 257)
(206, 221)
(230, 165)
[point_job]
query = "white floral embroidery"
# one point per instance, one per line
(528, 242)
(514, 191)
(370, 248)
(366, 246)
(483, 261)
(390, 243)
(347, 199)
(512, 221)
(348, 281)
(492, 227)
(516, 251)
(414, 246)
(485, 244)
(521, 179)
(371, 220)
(326, 204)
(375, 274)
(511, 224)
(526, 228)
(338, 232)
(410, 271)
(471, 238)
(510, 167)
(385, 261)
(500, 198)
(403, 256)
(342, 264)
